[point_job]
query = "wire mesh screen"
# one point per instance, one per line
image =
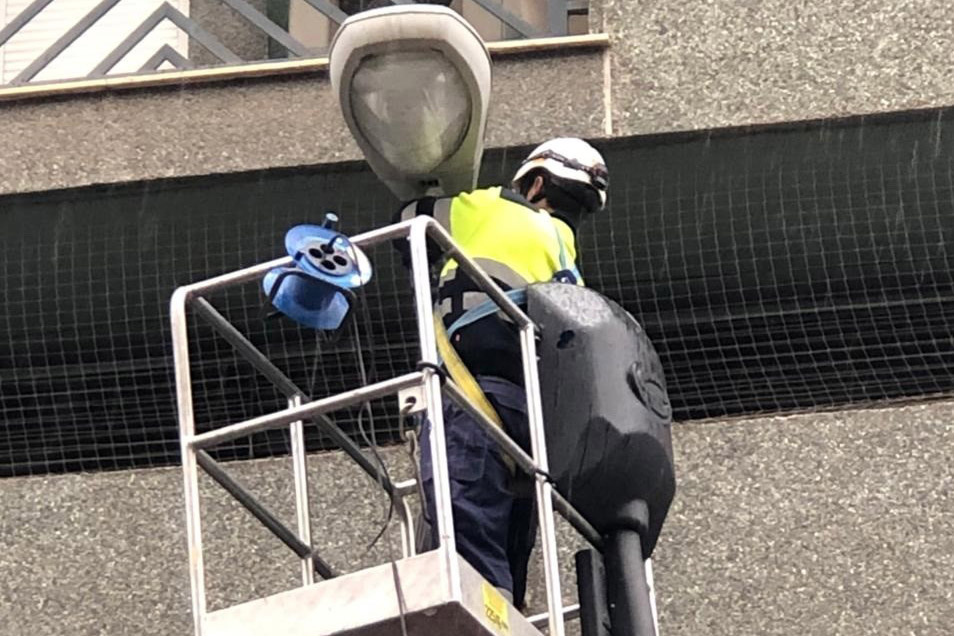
(794, 267)
(788, 268)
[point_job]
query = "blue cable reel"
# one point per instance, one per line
(317, 290)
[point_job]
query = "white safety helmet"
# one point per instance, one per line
(570, 159)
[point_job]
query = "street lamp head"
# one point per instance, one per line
(413, 83)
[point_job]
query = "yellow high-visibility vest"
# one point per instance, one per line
(499, 231)
(514, 242)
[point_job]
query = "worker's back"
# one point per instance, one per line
(517, 244)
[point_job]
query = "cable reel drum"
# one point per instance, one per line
(317, 289)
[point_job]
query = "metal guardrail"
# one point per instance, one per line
(302, 408)
(555, 24)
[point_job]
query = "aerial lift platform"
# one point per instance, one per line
(431, 593)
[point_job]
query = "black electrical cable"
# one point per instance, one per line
(402, 605)
(372, 444)
(371, 440)
(412, 437)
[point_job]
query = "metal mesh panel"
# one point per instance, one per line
(793, 267)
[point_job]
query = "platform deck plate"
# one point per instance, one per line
(365, 603)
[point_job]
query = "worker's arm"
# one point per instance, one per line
(437, 208)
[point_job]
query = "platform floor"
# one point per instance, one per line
(365, 603)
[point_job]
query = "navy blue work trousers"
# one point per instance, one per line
(494, 528)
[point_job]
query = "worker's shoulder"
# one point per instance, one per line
(495, 195)
(481, 195)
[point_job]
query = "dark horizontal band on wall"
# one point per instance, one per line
(271, 68)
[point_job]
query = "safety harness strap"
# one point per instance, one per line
(484, 309)
(466, 382)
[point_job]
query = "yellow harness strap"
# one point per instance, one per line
(466, 382)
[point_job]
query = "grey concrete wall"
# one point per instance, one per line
(830, 523)
(697, 64)
(693, 64)
(257, 124)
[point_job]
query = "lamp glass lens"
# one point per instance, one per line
(412, 107)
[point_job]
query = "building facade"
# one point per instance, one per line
(779, 221)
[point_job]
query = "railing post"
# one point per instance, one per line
(190, 469)
(417, 232)
(557, 16)
(302, 507)
(420, 270)
(544, 489)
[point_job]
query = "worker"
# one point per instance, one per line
(519, 236)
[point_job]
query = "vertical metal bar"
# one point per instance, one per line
(557, 16)
(512, 20)
(591, 590)
(420, 270)
(543, 488)
(329, 10)
(648, 565)
(190, 471)
(406, 518)
(271, 29)
(300, 469)
(200, 35)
